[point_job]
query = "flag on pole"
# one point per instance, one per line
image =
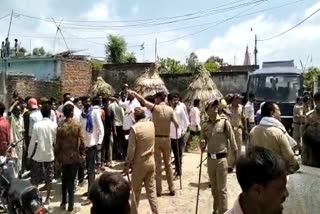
(142, 47)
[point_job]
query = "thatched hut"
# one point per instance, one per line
(100, 87)
(150, 82)
(201, 87)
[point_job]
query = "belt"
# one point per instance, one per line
(162, 136)
(236, 127)
(217, 156)
(298, 123)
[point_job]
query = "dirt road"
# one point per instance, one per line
(185, 199)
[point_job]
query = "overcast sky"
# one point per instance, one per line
(210, 27)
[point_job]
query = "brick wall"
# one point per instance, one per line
(26, 85)
(76, 77)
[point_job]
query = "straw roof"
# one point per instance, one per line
(201, 87)
(100, 87)
(150, 83)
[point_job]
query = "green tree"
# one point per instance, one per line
(170, 65)
(130, 58)
(96, 64)
(39, 51)
(215, 59)
(309, 74)
(116, 49)
(22, 51)
(192, 62)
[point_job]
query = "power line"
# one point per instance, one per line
(156, 32)
(219, 9)
(137, 20)
(5, 16)
(293, 27)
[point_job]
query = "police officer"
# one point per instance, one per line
(215, 134)
(237, 121)
(162, 116)
(141, 159)
(298, 121)
(311, 138)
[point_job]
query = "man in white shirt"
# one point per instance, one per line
(35, 114)
(128, 121)
(176, 134)
(195, 118)
(118, 134)
(66, 97)
(94, 133)
(249, 112)
(41, 150)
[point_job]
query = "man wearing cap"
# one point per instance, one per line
(162, 116)
(35, 114)
(237, 121)
(141, 159)
(215, 134)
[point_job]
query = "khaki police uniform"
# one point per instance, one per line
(309, 156)
(276, 140)
(236, 120)
(216, 135)
(162, 115)
(141, 158)
(298, 122)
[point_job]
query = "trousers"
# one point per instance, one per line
(69, 173)
(218, 171)
(238, 136)
(177, 146)
(91, 153)
(144, 173)
(162, 149)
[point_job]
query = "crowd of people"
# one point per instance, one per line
(87, 134)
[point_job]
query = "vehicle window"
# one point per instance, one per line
(276, 88)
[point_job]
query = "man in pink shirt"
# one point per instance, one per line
(4, 131)
(261, 174)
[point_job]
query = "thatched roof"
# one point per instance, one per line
(100, 87)
(150, 83)
(201, 87)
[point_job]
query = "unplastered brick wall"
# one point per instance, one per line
(26, 85)
(76, 77)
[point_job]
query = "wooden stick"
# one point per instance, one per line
(199, 180)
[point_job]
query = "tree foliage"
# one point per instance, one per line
(39, 51)
(192, 62)
(309, 74)
(116, 49)
(213, 64)
(170, 65)
(131, 58)
(96, 64)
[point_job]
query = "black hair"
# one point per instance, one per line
(316, 97)
(161, 96)
(251, 96)
(27, 99)
(46, 110)
(2, 109)
(95, 101)
(110, 193)
(77, 99)
(258, 166)
(65, 95)
(299, 98)
(68, 110)
(306, 98)
(150, 98)
(196, 102)
(267, 109)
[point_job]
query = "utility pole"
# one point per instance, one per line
(156, 51)
(4, 73)
(255, 50)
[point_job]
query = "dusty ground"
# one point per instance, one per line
(183, 202)
(304, 194)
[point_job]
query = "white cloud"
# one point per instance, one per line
(99, 11)
(296, 44)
